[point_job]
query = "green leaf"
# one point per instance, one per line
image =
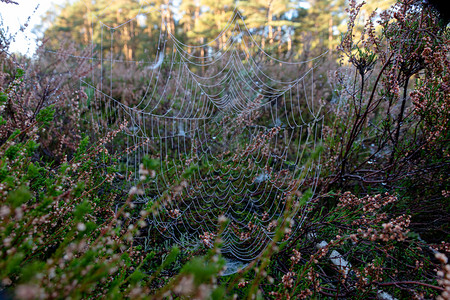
(79, 189)
(19, 73)
(19, 196)
(82, 147)
(202, 270)
(150, 163)
(3, 172)
(316, 154)
(12, 151)
(218, 293)
(82, 209)
(126, 259)
(45, 115)
(14, 134)
(30, 270)
(31, 147)
(305, 197)
(33, 171)
(171, 257)
(189, 171)
(12, 264)
(3, 98)
(137, 276)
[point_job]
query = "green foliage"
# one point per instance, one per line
(201, 269)
(189, 171)
(3, 98)
(81, 210)
(150, 163)
(45, 115)
(19, 196)
(12, 151)
(20, 73)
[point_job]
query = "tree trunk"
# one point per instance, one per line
(279, 33)
(330, 35)
(289, 42)
(269, 22)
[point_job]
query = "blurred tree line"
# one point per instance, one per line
(281, 27)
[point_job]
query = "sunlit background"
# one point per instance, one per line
(16, 16)
(32, 13)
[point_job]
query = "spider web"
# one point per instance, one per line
(239, 121)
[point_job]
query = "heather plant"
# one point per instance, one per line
(61, 236)
(357, 250)
(389, 105)
(66, 226)
(30, 86)
(382, 106)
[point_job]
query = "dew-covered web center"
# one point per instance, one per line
(234, 130)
